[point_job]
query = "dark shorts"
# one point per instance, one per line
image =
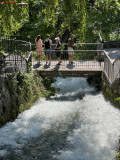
(47, 51)
(58, 53)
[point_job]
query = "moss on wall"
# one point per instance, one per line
(24, 90)
(111, 92)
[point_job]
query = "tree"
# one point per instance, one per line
(103, 17)
(85, 18)
(13, 17)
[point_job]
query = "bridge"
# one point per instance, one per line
(89, 59)
(81, 66)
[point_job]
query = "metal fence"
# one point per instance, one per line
(117, 68)
(111, 69)
(86, 55)
(17, 55)
(108, 68)
(82, 59)
(10, 45)
(14, 55)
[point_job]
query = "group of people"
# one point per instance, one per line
(48, 44)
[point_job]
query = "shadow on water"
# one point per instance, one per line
(72, 89)
(73, 97)
(48, 144)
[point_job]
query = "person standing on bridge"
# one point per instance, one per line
(58, 49)
(47, 44)
(39, 48)
(71, 47)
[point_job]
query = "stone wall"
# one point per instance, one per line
(5, 98)
(111, 92)
(20, 91)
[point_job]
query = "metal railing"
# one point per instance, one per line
(82, 59)
(108, 68)
(16, 55)
(111, 69)
(10, 45)
(13, 55)
(116, 64)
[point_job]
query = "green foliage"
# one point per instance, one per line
(25, 89)
(115, 36)
(117, 99)
(13, 17)
(118, 151)
(104, 17)
(5, 117)
(117, 156)
(111, 93)
(48, 84)
(84, 18)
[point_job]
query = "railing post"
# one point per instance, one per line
(29, 61)
(30, 46)
(113, 73)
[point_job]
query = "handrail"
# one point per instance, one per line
(108, 57)
(25, 42)
(117, 75)
(100, 37)
(110, 74)
(9, 39)
(29, 55)
(16, 40)
(71, 50)
(116, 59)
(67, 44)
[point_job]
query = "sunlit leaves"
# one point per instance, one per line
(57, 16)
(104, 17)
(12, 17)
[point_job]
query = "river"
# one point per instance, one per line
(75, 124)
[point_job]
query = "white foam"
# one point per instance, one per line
(99, 130)
(93, 135)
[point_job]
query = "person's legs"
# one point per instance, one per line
(38, 58)
(46, 58)
(70, 58)
(59, 60)
(50, 57)
(58, 55)
(71, 53)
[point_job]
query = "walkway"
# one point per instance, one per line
(78, 68)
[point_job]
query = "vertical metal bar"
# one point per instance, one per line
(30, 46)
(113, 72)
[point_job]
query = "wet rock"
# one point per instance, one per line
(4, 96)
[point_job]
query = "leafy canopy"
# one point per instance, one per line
(60, 17)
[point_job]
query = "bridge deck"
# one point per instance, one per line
(66, 66)
(78, 68)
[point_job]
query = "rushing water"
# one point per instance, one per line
(75, 124)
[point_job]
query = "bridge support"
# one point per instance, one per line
(69, 73)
